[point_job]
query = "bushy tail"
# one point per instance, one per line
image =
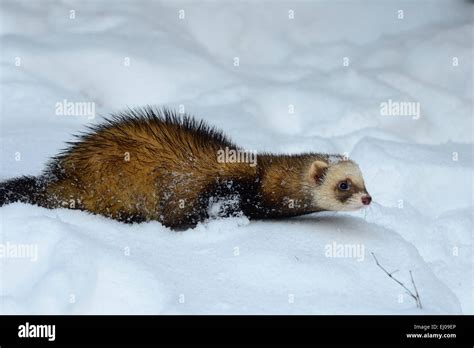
(26, 189)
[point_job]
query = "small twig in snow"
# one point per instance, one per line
(416, 290)
(415, 296)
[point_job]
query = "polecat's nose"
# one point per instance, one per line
(366, 200)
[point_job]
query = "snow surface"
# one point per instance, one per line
(419, 171)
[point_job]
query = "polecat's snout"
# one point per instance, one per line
(366, 199)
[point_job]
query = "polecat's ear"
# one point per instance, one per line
(316, 172)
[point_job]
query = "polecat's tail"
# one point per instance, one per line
(25, 189)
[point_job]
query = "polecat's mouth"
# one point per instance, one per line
(358, 201)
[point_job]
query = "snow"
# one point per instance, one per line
(289, 93)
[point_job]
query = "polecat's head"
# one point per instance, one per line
(337, 186)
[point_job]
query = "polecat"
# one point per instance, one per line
(152, 164)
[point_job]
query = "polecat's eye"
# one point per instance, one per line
(344, 185)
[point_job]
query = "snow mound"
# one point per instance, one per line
(90, 264)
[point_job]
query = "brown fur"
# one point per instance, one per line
(149, 164)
